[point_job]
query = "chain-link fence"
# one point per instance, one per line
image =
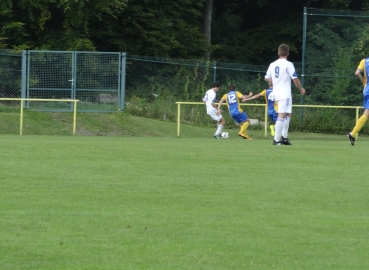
(334, 42)
(187, 80)
(10, 75)
(93, 78)
(173, 80)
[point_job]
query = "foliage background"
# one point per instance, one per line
(242, 31)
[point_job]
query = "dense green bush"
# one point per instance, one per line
(315, 120)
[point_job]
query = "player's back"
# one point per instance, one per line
(281, 72)
(269, 101)
(366, 71)
(233, 103)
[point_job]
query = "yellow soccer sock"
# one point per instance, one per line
(244, 127)
(359, 124)
(272, 128)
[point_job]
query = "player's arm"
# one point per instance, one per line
(358, 73)
(297, 83)
(268, 75)
(242, 97)
(360, 70)
(204, 98)
(214, 105)
(220, 105)
(251, 98)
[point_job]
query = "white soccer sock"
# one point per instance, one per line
(286, 125)
(278, 129)
(219, 130)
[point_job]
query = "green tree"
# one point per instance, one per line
(250, 31)
(151, 28)
(331, 58)
(208, 11)
(54, 24)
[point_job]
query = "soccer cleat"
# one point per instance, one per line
(216, 136)
(351, 139)
(243, 136)
(276, 143)
(286, 141)
(272, 130)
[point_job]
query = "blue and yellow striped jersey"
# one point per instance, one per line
(364, 67)
(272, 106)
(233, 102)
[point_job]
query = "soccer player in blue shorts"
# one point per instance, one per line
(233, 102)
(269, 100)
(363, 68)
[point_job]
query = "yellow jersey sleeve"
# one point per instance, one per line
(239, 95)
(362, 68)
(361, 65)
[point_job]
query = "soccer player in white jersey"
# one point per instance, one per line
(280, 73)
(212, 109)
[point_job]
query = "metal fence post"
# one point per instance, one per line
(303, 61)
(24, 74)
(122, 89)
(215, 71)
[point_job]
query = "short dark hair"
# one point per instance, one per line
(283, 50)
(231, 88)
(216, 84)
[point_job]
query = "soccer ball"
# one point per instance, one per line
(224, 135)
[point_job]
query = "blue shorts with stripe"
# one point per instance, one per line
(273, 115)
(366, 102)
(240, 118)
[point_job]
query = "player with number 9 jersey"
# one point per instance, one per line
(281, 72)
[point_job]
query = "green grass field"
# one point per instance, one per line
(161, 202)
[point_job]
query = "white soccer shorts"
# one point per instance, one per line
(214, 116)
(285, 105)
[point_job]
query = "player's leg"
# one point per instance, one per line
(286, 125)
(272, 129)
(286, 122)
(360, 122)
(279, 127)
(282, 113)
(243, 129)
(220, 123)
(244, 124)
(273, 118)
(239, 119)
